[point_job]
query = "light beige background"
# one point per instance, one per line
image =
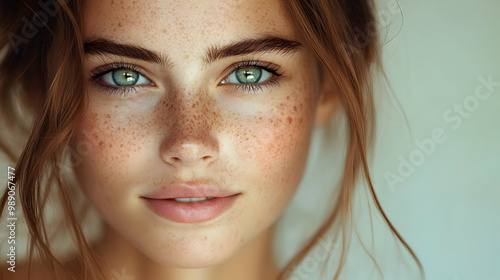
(448, 209)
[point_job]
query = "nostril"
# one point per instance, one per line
(179, 152)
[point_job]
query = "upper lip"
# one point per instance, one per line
(189, 190)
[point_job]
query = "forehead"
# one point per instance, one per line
(186, 24)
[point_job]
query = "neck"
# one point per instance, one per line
(253, 261)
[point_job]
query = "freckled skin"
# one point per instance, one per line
(253, 143)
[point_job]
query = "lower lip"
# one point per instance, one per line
(191, 212)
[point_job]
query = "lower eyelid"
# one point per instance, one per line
(118, 90)
(111, 90)
(256, 87)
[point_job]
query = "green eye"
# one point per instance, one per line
(124, 77)
(248, 75)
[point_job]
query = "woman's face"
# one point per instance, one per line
(205, 92)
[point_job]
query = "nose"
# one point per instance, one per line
(189, 150)
(189, 140)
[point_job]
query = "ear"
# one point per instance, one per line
(328, 102)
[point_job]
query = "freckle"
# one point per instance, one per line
(120, 24)
(205, 238)
(288, 98)
(121, 145)
(260, 118)
(295, 108)
(290, 119)
(111, 145)
(108, 116)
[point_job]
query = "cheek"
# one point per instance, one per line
(276, 145)
(265, 151)
(106, 149)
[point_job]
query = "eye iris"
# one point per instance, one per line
(248, 75)
(125, 77)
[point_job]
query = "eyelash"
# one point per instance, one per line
(124, 90)
(99, 72)
(271, 68)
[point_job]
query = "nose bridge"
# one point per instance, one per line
(190, 138)
(191, 112)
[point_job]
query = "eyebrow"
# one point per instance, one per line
(265, 44)
(101, 46)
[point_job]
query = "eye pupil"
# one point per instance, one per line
(248, 75)
(125, 77)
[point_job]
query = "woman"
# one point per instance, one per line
(186, 124)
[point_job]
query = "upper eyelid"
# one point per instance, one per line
(105, 69)
(252, 63)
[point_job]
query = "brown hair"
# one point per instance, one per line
(343, 36)
(41, 52)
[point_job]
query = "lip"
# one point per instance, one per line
(162, 202)
(193, 190)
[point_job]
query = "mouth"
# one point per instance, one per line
(192, 199)
(190, 203)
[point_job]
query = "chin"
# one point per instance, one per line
(192, 254)
(192, 259)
